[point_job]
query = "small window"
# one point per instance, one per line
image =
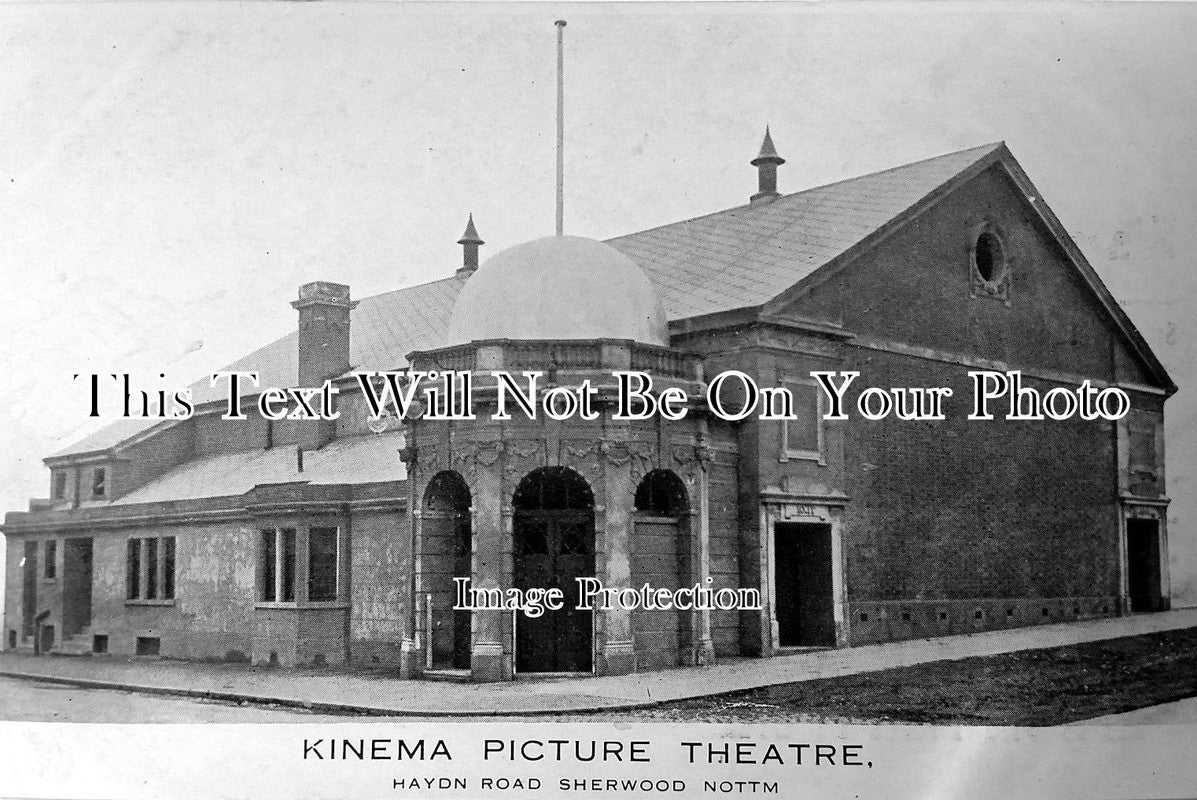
(989, 258)
(322, 564)
(277, 565)
(267, 562)
(168, 568)
(133, 569)
(802, 437)
(99, 478)
(288, 576)
(1143, 456)
(60, 479)
(99, 643)
(149, 646)
(151, 574)
(51, 563)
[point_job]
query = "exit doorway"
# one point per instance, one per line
(1143, 565)
(803, 584)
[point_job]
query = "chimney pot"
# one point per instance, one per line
(324, 315)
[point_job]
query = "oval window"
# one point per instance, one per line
(988, 258)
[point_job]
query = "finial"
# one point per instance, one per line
(471, 233)
(766, 163)
(768, 151)
(470, 241)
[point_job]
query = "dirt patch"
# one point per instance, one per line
(1034, 687)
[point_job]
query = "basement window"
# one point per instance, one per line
(150, 569)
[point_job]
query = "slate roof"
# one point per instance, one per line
(355, 459)
(746, 256)
(742, 257)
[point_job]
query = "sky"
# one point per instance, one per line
(169, 174)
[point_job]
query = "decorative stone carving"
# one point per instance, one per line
(587, 455)
(522, 458)
(466, 459)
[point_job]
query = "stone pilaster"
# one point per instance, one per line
(491, 637)
(613, 563)
(700, 559)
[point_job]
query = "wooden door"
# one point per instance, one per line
(76, 586)
(462, 620)
(552, 549)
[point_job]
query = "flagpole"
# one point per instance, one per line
(560, 126)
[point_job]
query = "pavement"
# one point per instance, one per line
(1179, 712)
(336, 692)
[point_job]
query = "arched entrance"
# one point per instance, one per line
(661, 557)
(554, 544)
(446, 554)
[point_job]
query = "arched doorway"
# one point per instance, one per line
(554, 544)
(661, 557)
(446, 554)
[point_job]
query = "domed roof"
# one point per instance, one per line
(559, 287)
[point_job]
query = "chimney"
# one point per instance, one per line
(766, 163)
(323, 347)
(470, 242)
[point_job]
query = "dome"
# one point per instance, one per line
(559, 287)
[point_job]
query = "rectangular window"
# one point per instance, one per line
(150, 568)
(151, 573)
(802, 437)
(133, 569)
(60, 479)
(1143, 456)
(280, 558)
(168, 568)
(99, 478)
(51, 567)
(322, 564)
(277, 565)
(267, 565)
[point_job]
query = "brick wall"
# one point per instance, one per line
(978, 510)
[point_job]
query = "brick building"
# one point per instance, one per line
(304, 543)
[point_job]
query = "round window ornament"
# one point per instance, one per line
(381, 423)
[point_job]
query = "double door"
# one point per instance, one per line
(552, 549)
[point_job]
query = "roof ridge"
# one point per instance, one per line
(413, 286)
(989, 147)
